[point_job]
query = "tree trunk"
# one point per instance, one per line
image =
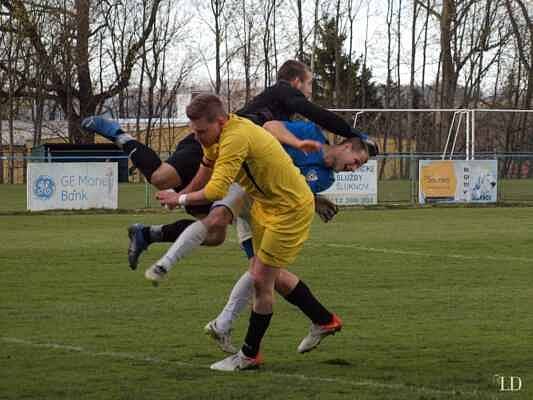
(387, 86)
(449, 78)
(300, 31)
(338, 64)
(313, 51)
(1, 146)
(412, 91)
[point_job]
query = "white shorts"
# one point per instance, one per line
(240, 204)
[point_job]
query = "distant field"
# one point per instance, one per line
(435, 301)
(133, 196)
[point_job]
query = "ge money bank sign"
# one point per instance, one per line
(68, 186)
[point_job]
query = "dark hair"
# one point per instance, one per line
(292, 69)
(206, 105)
(357, 144)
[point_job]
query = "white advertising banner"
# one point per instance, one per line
(355, 188)
(458, 181)
(67, 186)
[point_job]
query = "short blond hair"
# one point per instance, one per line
(206, 105)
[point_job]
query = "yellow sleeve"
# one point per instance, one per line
(211, 153)
(233, 150)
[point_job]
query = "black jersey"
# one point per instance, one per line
(280, 102)
(186, 159)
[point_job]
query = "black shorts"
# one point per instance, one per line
(200, 211)
(186, 159)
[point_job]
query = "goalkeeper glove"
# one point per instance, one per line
(325, 209)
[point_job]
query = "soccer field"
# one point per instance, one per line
(435, 302)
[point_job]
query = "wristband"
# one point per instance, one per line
(182, 200)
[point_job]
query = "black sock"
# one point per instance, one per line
(142, 157)
(170, 232)
(146, 234)
(256, 330)
(302, 298)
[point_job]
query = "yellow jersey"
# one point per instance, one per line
(250, 156)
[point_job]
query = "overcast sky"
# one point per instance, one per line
(376, 10)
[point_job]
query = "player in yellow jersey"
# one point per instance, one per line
(236, 150)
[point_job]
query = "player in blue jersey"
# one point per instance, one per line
(318, 168)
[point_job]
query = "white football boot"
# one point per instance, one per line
(238, 362)
(156, 273)
(222, 339)
(319, 332)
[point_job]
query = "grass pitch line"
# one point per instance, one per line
(412, 253)
(420, 254)
(156, 360)
(111, 354)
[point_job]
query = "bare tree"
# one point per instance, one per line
(217, 8)
(268, 9)
(338, 52)
(300, 53)
(67, 66)
(315, 35)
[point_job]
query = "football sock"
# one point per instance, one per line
(302, 298)
(170, 232)
(191, 238)
(153, 234)
(143, 157)
(256, 330)
(122, 138)
(238, 300)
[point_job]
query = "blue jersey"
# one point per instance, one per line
(318, 176)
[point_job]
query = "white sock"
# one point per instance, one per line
(156, 233)
(240, 297)
(190, 238)
(123, 138)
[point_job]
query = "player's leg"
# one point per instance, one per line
(276, 246)
(211, 231)
(242, 291)
(323, 322)
(142, 236)
(264, 277)
(143, 157)
(220, 328)
(294, 291)
(176, 172)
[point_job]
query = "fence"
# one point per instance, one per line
(397, 186)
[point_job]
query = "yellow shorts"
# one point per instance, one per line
(278, 238)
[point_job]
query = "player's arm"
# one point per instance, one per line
(201, 178)
(232, 153)
(171, 199)
(280, 132)
(296, 102)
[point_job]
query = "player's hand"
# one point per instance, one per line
(325, 209)
(168, 198)
(309, 146)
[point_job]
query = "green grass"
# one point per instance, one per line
(435, 302)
